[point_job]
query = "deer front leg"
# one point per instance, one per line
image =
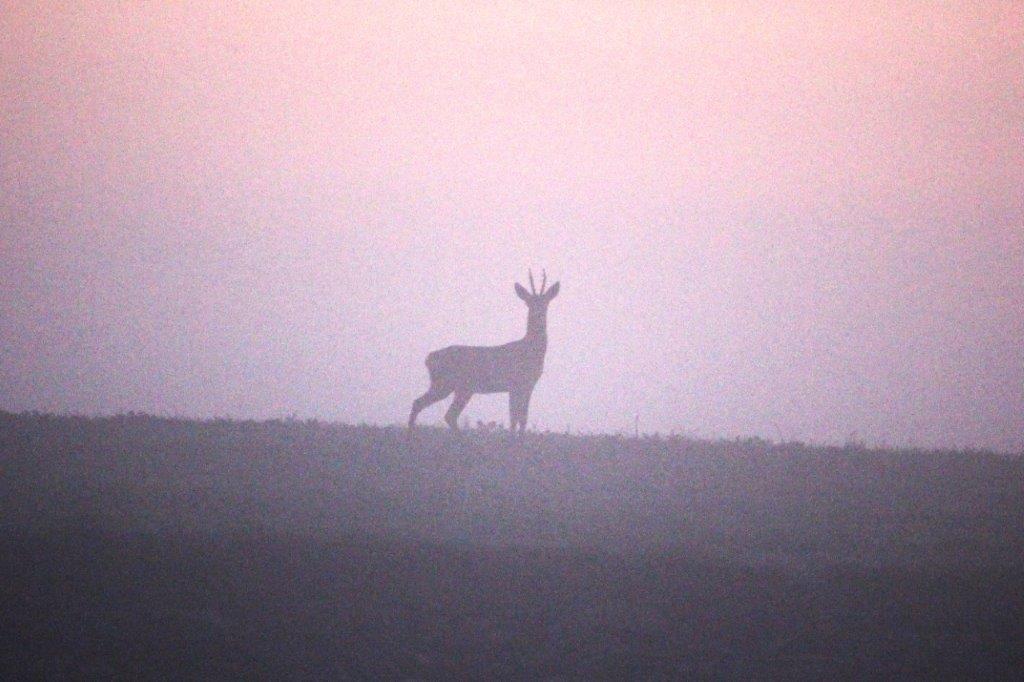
(519, 408)
(513, 411)
(456, 408)
(525, 414)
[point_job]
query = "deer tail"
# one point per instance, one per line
(431, 364)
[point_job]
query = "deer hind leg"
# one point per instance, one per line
(456, 408)
(434, 394)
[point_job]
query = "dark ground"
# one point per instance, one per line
(142, 547)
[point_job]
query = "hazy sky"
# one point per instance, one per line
(778, 219)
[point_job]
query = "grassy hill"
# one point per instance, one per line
(138, 545)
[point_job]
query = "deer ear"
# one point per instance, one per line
(552, 291)
(521, 292)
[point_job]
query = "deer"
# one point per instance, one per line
(512, 368)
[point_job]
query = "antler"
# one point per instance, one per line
(543, 282)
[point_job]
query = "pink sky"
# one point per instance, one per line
(768, 218)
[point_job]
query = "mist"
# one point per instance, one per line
(762, 418)
(801, 223)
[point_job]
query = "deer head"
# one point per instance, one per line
(537, 302)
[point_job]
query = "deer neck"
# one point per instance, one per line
(537, 332)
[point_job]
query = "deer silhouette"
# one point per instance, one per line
(512, 368)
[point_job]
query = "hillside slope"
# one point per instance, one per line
(137, 545)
